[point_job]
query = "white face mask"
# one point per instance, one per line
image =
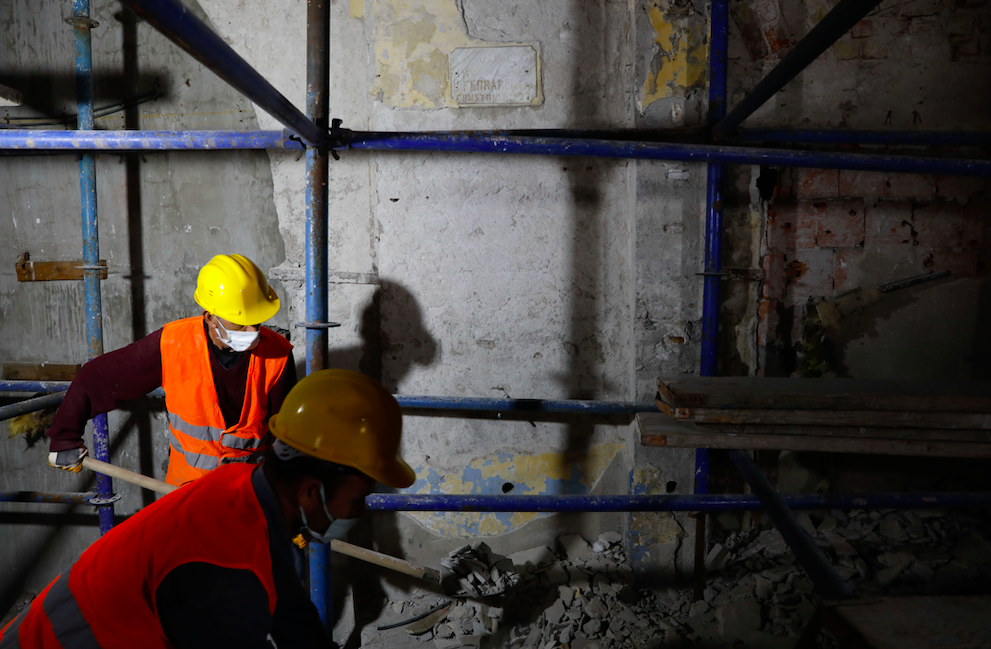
(239, 341)
(338, 529)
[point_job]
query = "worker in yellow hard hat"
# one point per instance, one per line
(212, 564)
(224, 375)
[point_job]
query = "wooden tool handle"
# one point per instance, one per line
(128, 476)
(370, 556)
(384, 560)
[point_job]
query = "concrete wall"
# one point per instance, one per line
(459, 275)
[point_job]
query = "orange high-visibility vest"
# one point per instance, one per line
(106, 600)
(199, 441)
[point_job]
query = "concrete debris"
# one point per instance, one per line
(756, 595)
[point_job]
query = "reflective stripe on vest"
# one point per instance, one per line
(9, 640)
(71, 628)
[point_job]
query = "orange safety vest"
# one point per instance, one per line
(106, 600)
(200, 441)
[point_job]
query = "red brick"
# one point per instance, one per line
(863, 29)
(960, 25)
(911, 186)
(938, 225)
(959, 188)
(874, 49)
(976, 227)
(925, 24)
(809, 274)
(846, 50)
(964, 48)
(863, 184)
(960, 263)
(846, 270)
(817, 183)
(774, 276)
(894, 26)
(889, 222)
(791, 226)
(841, 224)
(767, 313)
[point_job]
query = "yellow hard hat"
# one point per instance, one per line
(232, 287)
(347, 418)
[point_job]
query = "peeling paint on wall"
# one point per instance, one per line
(413, 43)
(518, 474)
(679, 60)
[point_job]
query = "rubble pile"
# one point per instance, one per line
(581, 596)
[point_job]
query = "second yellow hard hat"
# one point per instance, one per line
(232, 287)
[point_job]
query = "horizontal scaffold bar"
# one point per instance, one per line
(487, 142)
(71, 498)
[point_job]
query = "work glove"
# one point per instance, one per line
(68, 460)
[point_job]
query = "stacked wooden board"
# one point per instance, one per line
(836, 415)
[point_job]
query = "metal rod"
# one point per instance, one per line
(837, 22)
(317, 98)
(838, 136)
(72, 498)
(179, 25)
(30, 405)
(82, 24)
(713, 257)
(914, 281)
(29, 139)
(486, 142)
(667, 503)
(675, 152)
(524, 405)
(664, 503)
(826, 580)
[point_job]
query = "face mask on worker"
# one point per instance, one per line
(239, 341)
(338, 528)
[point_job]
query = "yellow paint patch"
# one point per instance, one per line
(528, 473)
(680, 61)
(357, 8)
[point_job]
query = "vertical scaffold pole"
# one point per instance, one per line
(317, 91)
(718, 39)
(82, 24)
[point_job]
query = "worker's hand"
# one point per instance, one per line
(68, 460)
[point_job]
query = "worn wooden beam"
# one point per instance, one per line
(822, 394)
(39, 372)
(46, 271)
(656, 429)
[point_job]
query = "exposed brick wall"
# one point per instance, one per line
(829, 232)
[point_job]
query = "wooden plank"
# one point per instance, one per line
(856, 418)
(39, 372)
(933, 434)
(46, 271)
(821, 394)
(655, 429)
(910, 622)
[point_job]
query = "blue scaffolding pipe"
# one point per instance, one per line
(574, 504)
(401, 502)
(713, 255)
(487, 142)
(317, 102)
(91, 237)
(30, 139)
(841, 136)
(826, 580)
(30, 405)
(837, 22)
(70, 498)
(34, 386)
(179, 25)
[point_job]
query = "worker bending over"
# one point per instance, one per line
(224, 375)
(211, 565)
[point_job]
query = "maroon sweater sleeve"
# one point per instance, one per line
(282, 387)
(103, 384)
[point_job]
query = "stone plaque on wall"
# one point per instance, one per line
(506, 75)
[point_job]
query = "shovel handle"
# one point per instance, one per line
(370, 556)
(128, 476)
